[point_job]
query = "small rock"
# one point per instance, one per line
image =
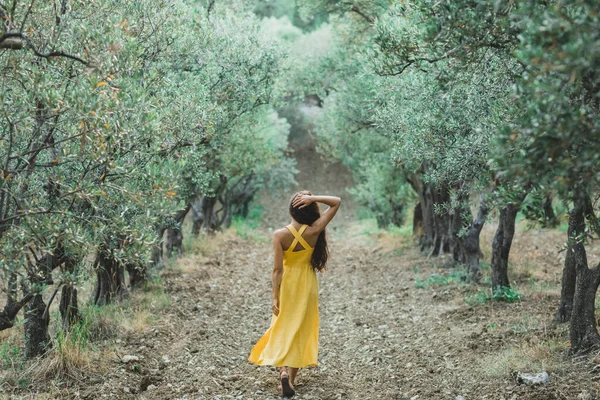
(540, 378)
(151, 387)
(459, 397)
(165, 359)
(126, 390)
(129, 358)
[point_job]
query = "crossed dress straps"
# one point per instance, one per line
(298, 238)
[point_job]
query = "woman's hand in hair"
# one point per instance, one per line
(303, 200)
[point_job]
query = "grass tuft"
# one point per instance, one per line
(506, 294)
(532, 356)
(68, 357)
(458, 276)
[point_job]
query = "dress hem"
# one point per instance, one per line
(272, 364)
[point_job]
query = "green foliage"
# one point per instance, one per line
(10, 355)
(436, 280)
(77, 337)
(143, 107)
(246, 228)
(558, 134)
(505, 294)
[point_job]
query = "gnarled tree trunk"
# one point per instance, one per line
(550, 219)
(37, 318)
(569, 276)
(584, 333)
(175, 235)
(157, 249)
(12, 306)
(68, 307)
(501, 246)
(110, 278)
(418, 228)
(436, 237)
(137, 275)
(204, 215)
(37, 339)
(470, 250)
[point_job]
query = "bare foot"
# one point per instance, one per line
(286, 388)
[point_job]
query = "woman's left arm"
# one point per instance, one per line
(277, 273)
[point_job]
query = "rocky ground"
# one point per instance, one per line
(394, 325)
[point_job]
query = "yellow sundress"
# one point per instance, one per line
(293, 338)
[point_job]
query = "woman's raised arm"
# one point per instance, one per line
(333, 202)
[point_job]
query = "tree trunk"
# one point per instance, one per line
(37, 318)
(137, 275)
(175, 235)
(457, 223)
(471, 249)
(110, 282)
(69, 309)
(436, 236)
(569, 276)
(209, 222)
(197, 217)
(37, 339)
(174, 242)
(583, 334)
(12, 306)
(157, 250)
(204, 215)
(442, 223)
(550, 219)
(418, 220)
(501, 246)
(397, 217)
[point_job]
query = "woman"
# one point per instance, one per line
(300, 248)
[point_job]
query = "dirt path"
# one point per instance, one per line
(381, 336)
(394, 324)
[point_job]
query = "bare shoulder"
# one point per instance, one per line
(279, 234)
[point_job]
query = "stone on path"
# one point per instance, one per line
(129, 358)
(540, 378)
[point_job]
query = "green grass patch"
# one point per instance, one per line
(402, 231)
(454, 277)
(246, 228)
(11, 355)
(545, 356)
(506, 294)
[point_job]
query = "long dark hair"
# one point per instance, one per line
(308, 215)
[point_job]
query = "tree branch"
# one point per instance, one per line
(7, 43)
(367, 18)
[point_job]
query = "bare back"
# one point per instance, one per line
(286, 238)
